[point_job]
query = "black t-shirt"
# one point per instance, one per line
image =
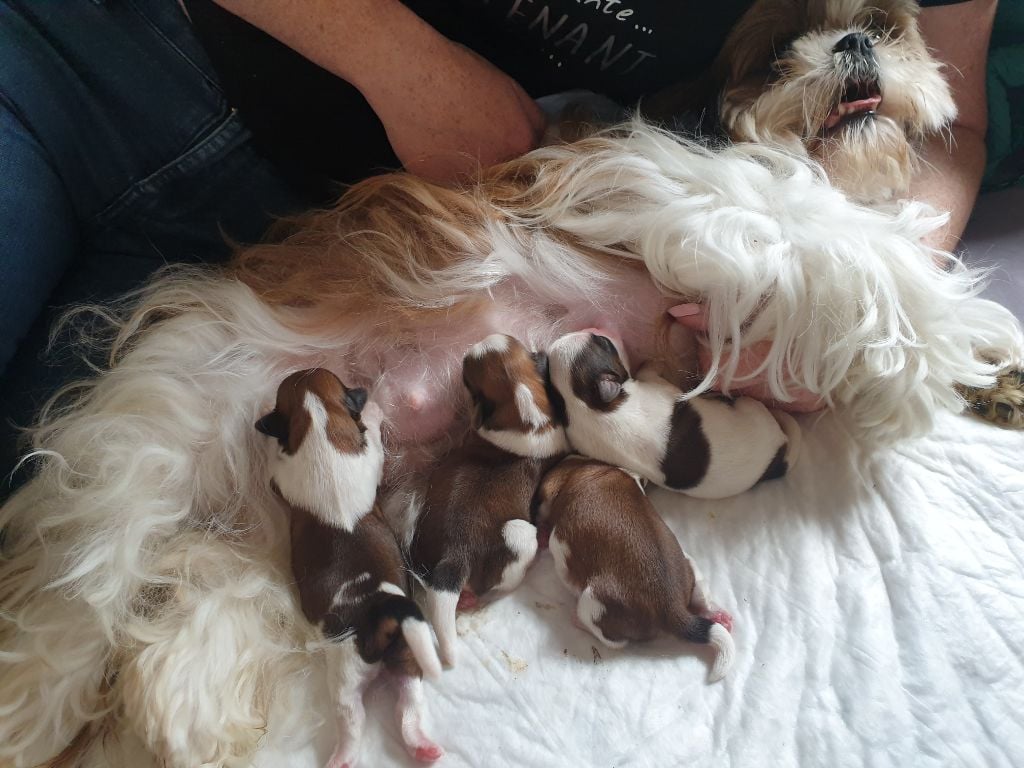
(622, 48)
(317, 127)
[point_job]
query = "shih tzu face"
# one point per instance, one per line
(850, 80)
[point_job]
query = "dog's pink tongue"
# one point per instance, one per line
(845, 108)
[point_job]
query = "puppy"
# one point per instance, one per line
(346, 560)
(613, 550)
(474, 531)
(709, 447)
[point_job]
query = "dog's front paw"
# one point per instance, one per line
(1001, 404)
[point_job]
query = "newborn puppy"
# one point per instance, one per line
(613, 550)
(709, 446)
(474, 531)
(347, 562)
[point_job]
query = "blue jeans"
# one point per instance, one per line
(118, 153)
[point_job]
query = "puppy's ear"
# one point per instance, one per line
(484, 409)
(273, 425)
(608, 388)
(355, 400)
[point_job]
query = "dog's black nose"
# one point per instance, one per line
(855, 42)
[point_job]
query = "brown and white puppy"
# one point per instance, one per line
(346, 560)
(708, 446)
(611, 548)
(474, 532)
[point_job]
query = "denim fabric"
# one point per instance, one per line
(118, 153)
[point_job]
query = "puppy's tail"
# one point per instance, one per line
(395, 632)
(698, 629)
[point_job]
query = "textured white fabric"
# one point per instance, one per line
(879, 619)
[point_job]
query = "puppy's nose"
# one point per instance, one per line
(855, 42)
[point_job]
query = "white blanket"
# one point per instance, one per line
(879, 620)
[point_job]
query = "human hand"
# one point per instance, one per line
(694, 317)
(446, 111)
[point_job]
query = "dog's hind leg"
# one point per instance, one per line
(410, 710)
(441, 606)
(347, 676)
(521, 539)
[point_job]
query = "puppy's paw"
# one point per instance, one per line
(426, 752)
(467, 600)
(342, 759)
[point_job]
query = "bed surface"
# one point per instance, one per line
(879, 619)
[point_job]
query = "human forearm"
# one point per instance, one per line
(953, 165)
(366, 42)
(446, 110)
(949, 178)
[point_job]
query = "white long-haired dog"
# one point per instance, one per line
(143, 585)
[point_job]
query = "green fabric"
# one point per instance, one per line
(1006, 98)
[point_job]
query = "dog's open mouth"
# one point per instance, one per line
(859, 97)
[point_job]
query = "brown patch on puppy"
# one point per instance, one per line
(325, 557)
(779, 466)
(290, 420)
(688, 454)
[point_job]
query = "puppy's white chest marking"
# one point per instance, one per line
(338, 488)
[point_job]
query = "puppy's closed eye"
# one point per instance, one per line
(608, 387)
(355, 401)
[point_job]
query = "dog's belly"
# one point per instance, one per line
(418, 382)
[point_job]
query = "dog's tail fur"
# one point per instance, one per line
(394, 631)
(698, 629)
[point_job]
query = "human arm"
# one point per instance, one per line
(953, 165)
(445, 109)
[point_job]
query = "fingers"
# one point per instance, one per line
(693, 316)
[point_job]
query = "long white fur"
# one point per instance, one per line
(339, 488)
(743, 436)
(162, 443)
